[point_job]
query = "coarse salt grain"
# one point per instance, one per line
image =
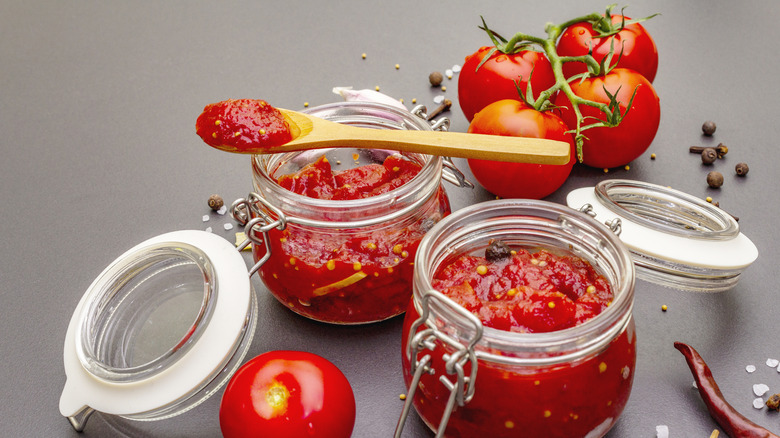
(228, 226)
(205, 218)
(222, 210)
(456, 68)
(760, 389)
(750, 368)
(448, 73)
(438, 99)
(758, 403)
(208, 230)
(662, 431)
(772, 362)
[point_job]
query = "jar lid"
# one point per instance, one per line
(159, 330)
(675, 239)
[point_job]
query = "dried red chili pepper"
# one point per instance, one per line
(732, 422)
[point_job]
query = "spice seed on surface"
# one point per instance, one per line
(708, 128)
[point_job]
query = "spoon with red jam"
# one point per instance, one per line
(251, 126)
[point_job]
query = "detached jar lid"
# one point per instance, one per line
(159, 330)
(675, 239)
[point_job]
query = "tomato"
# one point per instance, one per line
(610, 147)
(633, 46)
(290, 394)
(495, 79)
(520, 180)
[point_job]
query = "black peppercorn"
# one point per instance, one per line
(496, 251)
(742, 169)
(435, 78)
(714, 179)
(708, 128)
(216, 202)
(709, 155)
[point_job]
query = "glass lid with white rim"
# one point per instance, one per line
(675, 239)
(159, 330)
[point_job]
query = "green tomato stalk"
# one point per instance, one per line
(521, 41)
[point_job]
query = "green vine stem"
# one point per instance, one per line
(521, 41)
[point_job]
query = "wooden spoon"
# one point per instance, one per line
(310, 132)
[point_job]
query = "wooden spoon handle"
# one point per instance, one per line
(313, 133)
(464, 145)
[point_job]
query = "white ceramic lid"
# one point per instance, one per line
(675, 239)
(188, 370)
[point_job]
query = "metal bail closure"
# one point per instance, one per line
(462, 388)
(242, 210)
(675, 239)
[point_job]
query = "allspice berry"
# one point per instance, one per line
(216, 202)
(708, 128)
(436, 78)
(715, 179)
(709, 155)
(742, 169)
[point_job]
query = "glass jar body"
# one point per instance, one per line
(567, 383)
(347, 261)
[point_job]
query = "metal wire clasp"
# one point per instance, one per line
(616, 225)
(243, 210)
(462, 388)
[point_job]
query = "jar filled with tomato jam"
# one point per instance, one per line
(521, 324)
(335, 231)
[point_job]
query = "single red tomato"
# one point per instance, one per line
(288, 394)
(633, 46)
(494, 80)
(611, 147)
(520, 180)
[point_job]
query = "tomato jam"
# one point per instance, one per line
(354, 276)
(352, 221)
(554, 341)
(525, 291)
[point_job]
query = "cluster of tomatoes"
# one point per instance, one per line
(492, 82)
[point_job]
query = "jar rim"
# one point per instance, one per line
(682, 214)
(529, 348)
(109, 289)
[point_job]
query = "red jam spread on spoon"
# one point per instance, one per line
(239, 125)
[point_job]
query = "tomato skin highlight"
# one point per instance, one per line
(520, 180)
(619, 145)
(634, 47)
(495, 79)
(288, 393)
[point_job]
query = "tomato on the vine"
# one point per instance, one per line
(607, 147)
(520, 180)
(290, 394)
(480, 85)
(634, 48)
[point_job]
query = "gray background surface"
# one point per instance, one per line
(98, 102)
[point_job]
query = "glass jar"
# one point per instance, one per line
(676, 240)
(160, 330)
(343, 261)
(469, 380)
